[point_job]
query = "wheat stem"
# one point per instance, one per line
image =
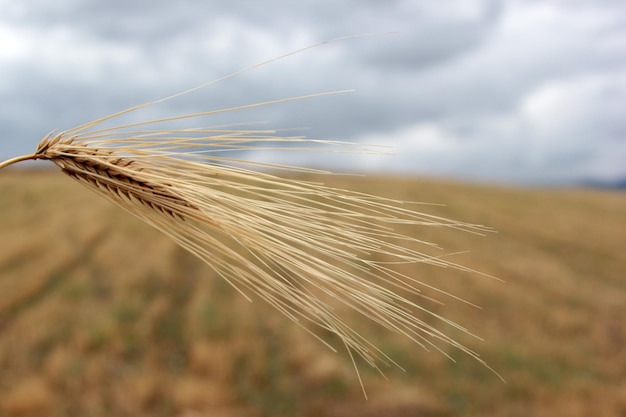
(16, 160)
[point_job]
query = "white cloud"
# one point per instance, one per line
(575, 123)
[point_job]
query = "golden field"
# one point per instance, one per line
(100, 315)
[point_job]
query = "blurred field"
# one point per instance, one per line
(102, 316)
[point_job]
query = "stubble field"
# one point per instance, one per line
(102, 316)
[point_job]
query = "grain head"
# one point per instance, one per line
(303, 247)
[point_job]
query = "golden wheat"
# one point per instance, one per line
(301, 246)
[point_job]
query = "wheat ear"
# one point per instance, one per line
(299, 245)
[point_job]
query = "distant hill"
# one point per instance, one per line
(617, 184)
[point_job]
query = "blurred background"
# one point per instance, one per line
(101, 315)
(499, 91)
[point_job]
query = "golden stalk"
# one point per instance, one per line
(299, 245)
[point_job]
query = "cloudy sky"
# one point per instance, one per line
(523, 91)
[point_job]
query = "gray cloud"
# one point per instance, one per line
(493, 90)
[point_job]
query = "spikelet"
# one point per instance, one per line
(299, 245)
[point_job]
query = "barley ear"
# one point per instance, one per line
(302, 246)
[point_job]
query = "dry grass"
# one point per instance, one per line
(291, 242)
(114, 319)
